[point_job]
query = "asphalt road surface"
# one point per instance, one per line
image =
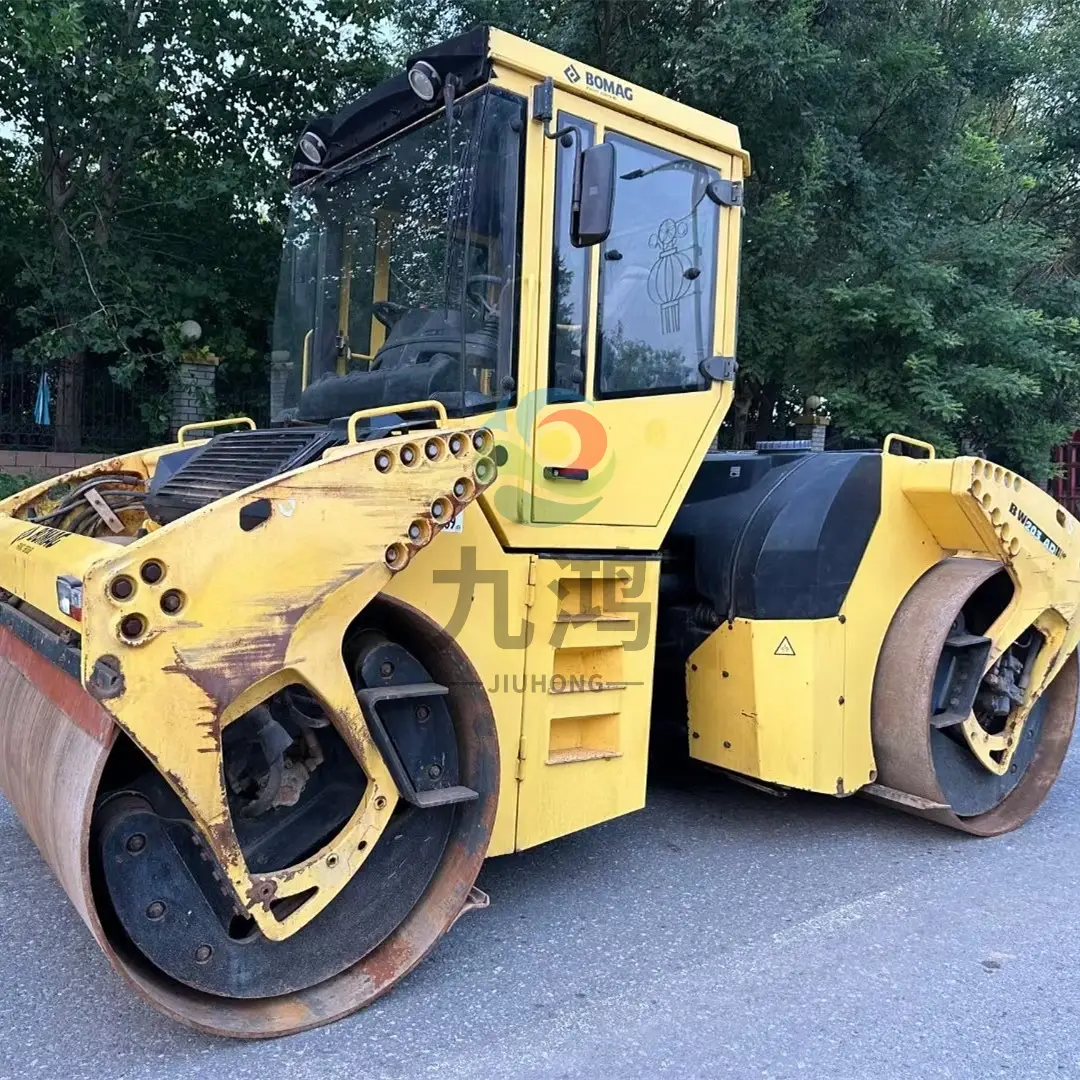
(717, 933)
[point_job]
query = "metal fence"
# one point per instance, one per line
(112, 420)
(1065, 487)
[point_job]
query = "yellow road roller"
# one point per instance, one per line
(270, 696)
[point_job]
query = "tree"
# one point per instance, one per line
(152, 138)
(910, 245)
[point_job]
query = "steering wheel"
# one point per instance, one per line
(388, 312)
(477, 295)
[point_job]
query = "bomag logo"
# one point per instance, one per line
(612, 87)
(609, 86)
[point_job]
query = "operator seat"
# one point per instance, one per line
(420, 360)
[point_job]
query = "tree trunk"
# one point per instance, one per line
(69, 403)
(740, 411)
(766, 408)
(59, 190)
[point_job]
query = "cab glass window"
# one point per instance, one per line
(657, 274)
(570, 278)
(401, 271)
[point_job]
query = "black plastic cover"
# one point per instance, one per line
(392, 105)
(778, 536)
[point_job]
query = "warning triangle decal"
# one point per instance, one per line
(784, 648)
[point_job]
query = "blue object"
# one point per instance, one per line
(41, 404)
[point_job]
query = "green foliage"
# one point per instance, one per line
(913, 214)
(9, 485)
(145, 146)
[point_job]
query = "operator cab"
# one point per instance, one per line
(497, 232)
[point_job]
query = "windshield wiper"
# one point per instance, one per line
(700, 171)
(687, 164)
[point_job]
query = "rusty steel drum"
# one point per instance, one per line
(55, 745)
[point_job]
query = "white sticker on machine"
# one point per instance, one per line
(456, 523)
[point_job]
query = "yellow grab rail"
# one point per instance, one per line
(886, 446)
(305, 365)
(204, 424)
(387, 410)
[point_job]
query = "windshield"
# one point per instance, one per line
(400, 274)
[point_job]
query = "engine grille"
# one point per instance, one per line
(230, 463)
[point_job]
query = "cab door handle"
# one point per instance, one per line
(559, 472)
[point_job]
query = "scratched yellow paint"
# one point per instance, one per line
(262, 608)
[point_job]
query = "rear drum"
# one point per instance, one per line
(920, 752)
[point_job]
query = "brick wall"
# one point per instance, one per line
(280, 367)
(41, 464)
(194, 386)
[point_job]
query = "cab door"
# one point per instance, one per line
(623, 403)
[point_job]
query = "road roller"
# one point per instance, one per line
(269, 696)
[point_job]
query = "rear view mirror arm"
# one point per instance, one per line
(543, 112)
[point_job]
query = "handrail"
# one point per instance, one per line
(895, 437)
(203, 424)
(386, 410)
(305, 367)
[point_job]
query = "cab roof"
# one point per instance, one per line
(473, 58)
(574, 77)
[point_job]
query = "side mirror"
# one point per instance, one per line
(594, 195)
